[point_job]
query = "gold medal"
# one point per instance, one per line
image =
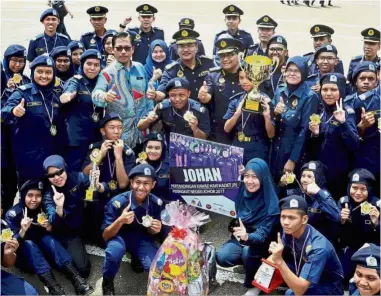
(17, 78)
(112, 185)
(95, 155)
(290, 178)
(147, 221)
(365, 208)
(41, 218)
(57, 82)
(188, 115)
(180, 73)
(137, 37)
(241, 136)
(221, 80)
(315, 118)
(95, 117)
(142, 155)
(6, 235)
(53, 130)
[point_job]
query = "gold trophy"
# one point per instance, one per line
(257, 69)
(95, 157)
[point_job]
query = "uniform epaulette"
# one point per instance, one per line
(62, 35)
(158, 28)
(308, 54)
(164, 104)
(133, 28)
(254, 45)
(359, 57)
(171, 65)
(236, 96)
(215, 69)
(78, 76)
(25, 86)
(219, 33)
(197, 106)
(313, 75)
(244, 31)
(88, 33)
(38, 36)
(343, 199)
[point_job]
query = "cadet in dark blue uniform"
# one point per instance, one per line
(64, 205)
(63, 65)
(266, 29)
(107, 50)
(47, 41)
(220, 84)
(360, 217)
(179, 113)
(335, 137)
(185, 23)
(145, 34)
(74, 50)
(34, 113)
(306, 259)
(323, 212)
(132, 223)
(364, 79)
(252, 131)
(98, 19)
(36, 241)
(226, 165)
(232, 21)
(258, 213)
(294, 103)
(81, 115)
(321, 35)
(193, 68)
(371, 48)
(366, 280)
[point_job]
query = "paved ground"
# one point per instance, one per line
(20, 23)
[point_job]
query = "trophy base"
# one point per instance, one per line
(275, 278)
(91, 195)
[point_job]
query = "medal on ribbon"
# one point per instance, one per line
(315, 118)
(17, 78)
(95, 117)
(142, 155)
(365, 208)
(6, 235)
(53, 130)
(41, 218)
(112, 184)
(147, 221)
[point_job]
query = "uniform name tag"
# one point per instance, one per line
(139, 78)
(164, 176)
(33, 104)
(83, 92)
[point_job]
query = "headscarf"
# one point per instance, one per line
(30, 185)
(45, 61)
(302, 65)
(334, 78)
(158, 137)
(62, 51)
(73, 46)
(14, 50)
(54, 161)
(361, 176)
(109, 33)
(318, 168)
(254, 207)
(150, 63)
(89, 54)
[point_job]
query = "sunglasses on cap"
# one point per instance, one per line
(56, 173)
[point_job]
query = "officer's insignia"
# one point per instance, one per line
(145, 7)
(371, 67)
(371, 261)
(355, 178)
(221, 80)
(294, 103)
(317, 29)
(184, 33)
(57, 82)
(265, 19)
(97, 9)
(12, 213)
(308, 248)
(312, 166)
(332, 78)
(80, 45)
(231, 8)
(370, 32)
(147, 172)
(40, 186)
(180, 73)
(294, 203)
(223, 44)
(186, 22)
(49, 62)
(159, 137)
(137, 37)
(279, 39)
(116, 204)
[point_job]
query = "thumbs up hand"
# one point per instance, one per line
(276, 249)
(127, 216)
(367, 119)
(111, 94)
(19, 110)
(203, 93)
(345, 214)
(280, 107)
(240, 231)
(67, 97)
(156, 74)
(151, 92)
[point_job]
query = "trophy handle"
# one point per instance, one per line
(276, 62)
(241, 57)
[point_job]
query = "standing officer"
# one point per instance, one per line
(220, 84)
(371, 48)
(193, 68)
(185, 23)
(179, 113)
(145, 34)
(321, 35)
(305, 258)
(98, 19)
(232, 21)
(47, 41)
(266, 29)
(132, 223)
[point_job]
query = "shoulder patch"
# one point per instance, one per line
(25, 86)
(171, 65)
(116, 203)
(62, 35)
(78, 76)
(215, 69)
(12, 213)
(359, 57)
(350, 110)
(88, 33)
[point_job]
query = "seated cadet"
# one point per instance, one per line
(64, 205)
(266, 30)
(81, 115)
(232, 20)
(64, 67)
(132, 223)
(366, 280)
(220, 84)
(334, 137)
(371, 48)
(190, 66)
(37, 241)
(323, 212)
(185, 23)
(107, 50)
(47, 41)
(179, 113)
(115, 162)
(306, 260)
(321, 35)
(98, 19)
(155, 154)
(360, 217)
(252, 131)
(10, 283)
(75, 50)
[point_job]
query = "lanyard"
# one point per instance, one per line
(158, 169)
(244, 124)
(90, 96)
(112, 170)
(46, 44)
(46, 108)
(141, 223)
(174, 111)
(277, 84)
(297, 268)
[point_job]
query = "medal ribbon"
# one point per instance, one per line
(297, 268)
(46, 108)
(174, 111)
(46, 44)
(112, 170)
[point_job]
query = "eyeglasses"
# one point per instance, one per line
(63, 61)
(328, 59)
(276, 49)
(125, 48)
(16, 61)
(56, 173)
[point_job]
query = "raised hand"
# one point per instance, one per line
(367, 119)
(59, 198)
(203, 92)
(19, 110)
(118, 149)
(127, 216)
(345, 214)
(314, 128)
(374, 215)
(155, 227)
(152, 116)
(240, 231)
(276, 249)
(26, 221)
(238, 111)
(151, 92)
(312, 188)
(111, 94)
(67, 97)
(156, 74)
(280, 107)
(339, 114)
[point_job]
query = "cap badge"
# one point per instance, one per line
(223, 44)
(329, 47)
(371, 67)
(294, 203)
(356, 178)
(317, 30)
(40, 186)
(184, 33)
(54, 12)
(69, 52)
(371, 261)
(186, 21)
(145, 7)
(265, 19)
(80, 45)
(370, 32)
(231, 8)
(97, 9)
(147, 172)
(312, 166)
(49, 62)
(332, 78)
(279, 39)
(159, 137)
(178, 83)
(25, 53)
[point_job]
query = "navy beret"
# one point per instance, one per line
(30, 185)
(110, 116)
(362, 176)
(74, 45)
(232, 10)
(266, 22)
(314, 166)
(226, 43)
(90, 53)
(364, 66)
(293, 202)
(177, 82)
(15, 50)
(368, 256)
(109, 33)
(49, 12)
(321, 30)
(97, 11)
(155, 136)
(42, 60)
(325, 48)
(185, 35)
(186, 23)
(54, 161)
(142, 170)
(60, 51)
(371, 35)
(277, 39)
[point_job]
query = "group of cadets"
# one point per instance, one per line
(104, 107)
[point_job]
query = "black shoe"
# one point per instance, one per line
(282, 1)
(51, 283)
(312, 2)
(79, 283)
(136, 265)
(329, 3)
(307, 3)
(108, 286)
(288, 2)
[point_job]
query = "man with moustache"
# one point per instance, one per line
(98, 19)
